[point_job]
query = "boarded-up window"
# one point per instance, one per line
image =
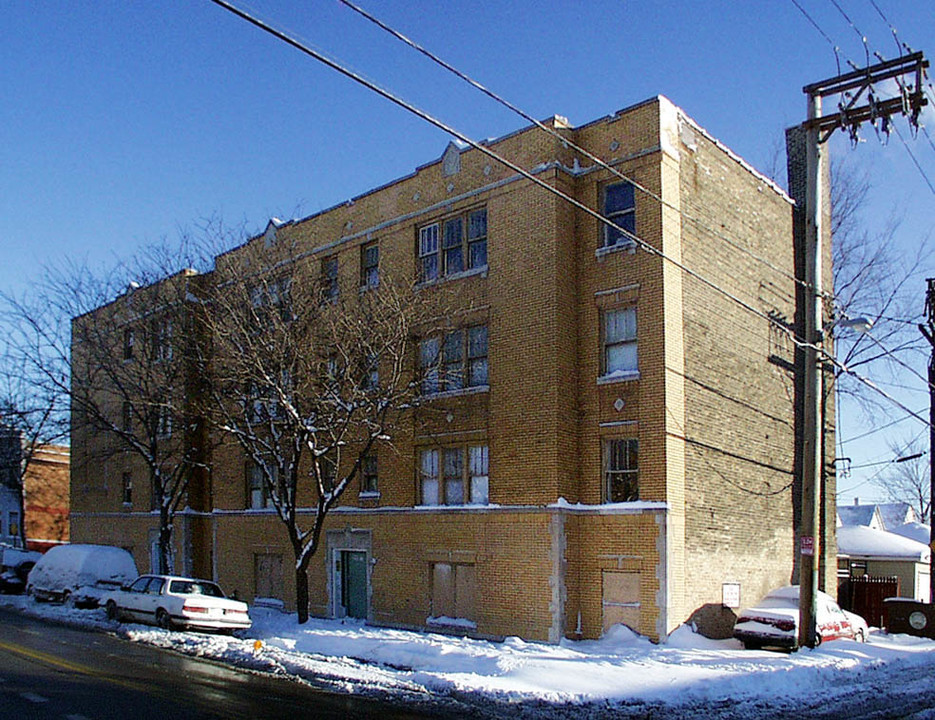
(621, 599)
(454, 591)
(267, 575)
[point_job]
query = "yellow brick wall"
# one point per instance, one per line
(704, 382)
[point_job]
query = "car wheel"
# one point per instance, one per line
(817, 639)
(861, 636)
(163, 620)
(751, 645)
(113, 612)
(67, 599)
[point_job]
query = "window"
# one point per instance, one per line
(428, 364)
(462, 362)
(129, 340)
(620, 356)
(620, 209)
(478, 455)
(258, 496)
(368, 474)
(454, 475)
(370, 373)
(127, 488)
(370, 265)
(126, 417)
(477, 356)
(454, 592)
(13, 524)
(329, 471)
(621, 470)
(463, 245)
(453, 361)
(329, 279)
(162, 340)
(163, 418)
(428, 471)
(428, 253)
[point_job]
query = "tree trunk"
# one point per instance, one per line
(165, 542)
(301, 594)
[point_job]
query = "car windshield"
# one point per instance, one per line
(195, 587)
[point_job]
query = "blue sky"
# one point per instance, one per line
(122, 122)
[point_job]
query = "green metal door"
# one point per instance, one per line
(354, 583)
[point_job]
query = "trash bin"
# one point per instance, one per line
(910, 617)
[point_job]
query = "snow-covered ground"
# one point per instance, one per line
(622, 675)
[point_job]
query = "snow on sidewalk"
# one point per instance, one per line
(620, 669)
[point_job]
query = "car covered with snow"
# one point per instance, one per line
(15, 564)
(774, 621)
(170, 601)
(80, 574)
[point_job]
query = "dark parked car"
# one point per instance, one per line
(15, 564)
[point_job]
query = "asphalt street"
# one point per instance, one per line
(52, 671)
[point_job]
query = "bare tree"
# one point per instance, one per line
(119, 346)
(309, 378)
(908, 481)
(876, 279)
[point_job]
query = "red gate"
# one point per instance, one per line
(865, 595)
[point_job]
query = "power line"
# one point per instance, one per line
(386, 94)
(878, 429)
(835, 48)
(863, 38)
(882, 469)
(914, 160)
(899, 47)
(409, 107)
(551, 131)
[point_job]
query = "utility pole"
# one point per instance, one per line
(929, 332)
(858, 104)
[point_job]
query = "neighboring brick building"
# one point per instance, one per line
(622, 449)
(46, 496)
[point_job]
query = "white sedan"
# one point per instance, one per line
(775, 621)
(177, 602)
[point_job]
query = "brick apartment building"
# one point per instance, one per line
(44, 505)
(622, 447)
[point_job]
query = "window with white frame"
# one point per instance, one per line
(619, 342)
(455, 475)
(454, 245)
(621, 470)
(258, 496)
(370, 265)
(454, 362)
(619, 207)
(428, 476)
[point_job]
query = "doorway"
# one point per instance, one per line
(350, 584)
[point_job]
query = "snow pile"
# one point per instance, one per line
(685, 676)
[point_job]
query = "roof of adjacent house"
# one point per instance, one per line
(920, 532)
(859, 515)
(896, 514)
(865, 542)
